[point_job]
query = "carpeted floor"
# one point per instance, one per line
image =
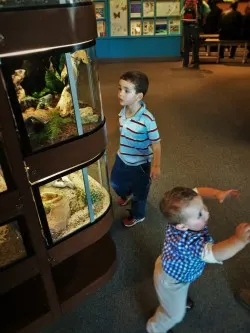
(204, 121)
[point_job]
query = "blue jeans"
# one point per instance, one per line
(135, 180)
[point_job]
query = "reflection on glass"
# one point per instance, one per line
(34, 3)
(44, 92)
(69, 201)
(3, 186)
(26, 3)
(11, 244)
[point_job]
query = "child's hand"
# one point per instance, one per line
(155, 172)
(222, 195)
(242, 232)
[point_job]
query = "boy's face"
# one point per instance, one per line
(195, 215)
(127, 94)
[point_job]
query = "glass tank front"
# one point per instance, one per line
(6, 182)
(36, 3)
(12, 247)
(55, 96)
(3, 186)
(75, 200)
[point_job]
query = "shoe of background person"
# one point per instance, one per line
(196, 66)
(244, 298)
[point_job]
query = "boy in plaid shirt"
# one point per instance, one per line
(188, 246)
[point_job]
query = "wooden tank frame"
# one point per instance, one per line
(40, 288)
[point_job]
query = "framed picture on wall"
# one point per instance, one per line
(135, 9)
(148, 27)
(161, 27)
(148, 8)
(135, 28)
(118, 18)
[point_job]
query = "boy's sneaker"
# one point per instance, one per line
(123, 202)
(131, 221)
(190, 304)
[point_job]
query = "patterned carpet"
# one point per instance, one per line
(204, 122)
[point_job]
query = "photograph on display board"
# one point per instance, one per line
(99, 10)
(101, 28)
(135, 9)
(135, 27)
(118, 18)
(174, 27)
(167, 8)
(148, 9)
(161, 27)
(148, 27)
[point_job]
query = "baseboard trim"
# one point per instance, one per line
(134, 59)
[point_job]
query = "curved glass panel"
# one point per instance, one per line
(75, 200)
(3, 186)
(6, 181)
(11, 244)
(36, 3)
(55, 96)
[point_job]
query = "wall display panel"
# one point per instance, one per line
(148, 27)
(167, 8)
(148, 8)
(118, 18)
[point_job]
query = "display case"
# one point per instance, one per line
(54, 189)
(138, 28)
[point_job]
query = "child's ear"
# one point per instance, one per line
(181, 226)
(139, 96)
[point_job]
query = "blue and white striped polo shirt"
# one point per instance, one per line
(138, 133)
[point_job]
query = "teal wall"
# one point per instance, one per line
(143, 46)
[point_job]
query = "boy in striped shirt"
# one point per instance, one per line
(139, 155)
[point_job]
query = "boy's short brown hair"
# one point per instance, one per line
(139, 79)
(173, 201)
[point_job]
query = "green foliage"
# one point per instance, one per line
(42, 93)
(95, 196)
(53, 81)
(62, 62)
(52, 129)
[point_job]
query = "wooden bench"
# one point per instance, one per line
(215, 41)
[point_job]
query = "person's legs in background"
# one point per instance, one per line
(195, 31)
(187, 42)
(232, 52)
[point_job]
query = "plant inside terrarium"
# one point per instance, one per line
(44, 94)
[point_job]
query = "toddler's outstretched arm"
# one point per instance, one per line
(220, 195)
(234, 244)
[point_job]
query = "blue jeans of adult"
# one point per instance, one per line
(191, 34)
(129, 180)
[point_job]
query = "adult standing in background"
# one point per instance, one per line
(231, 27)
(193, 14)
(246, 26)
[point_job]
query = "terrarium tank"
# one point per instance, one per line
(55, 97)
(54, 188)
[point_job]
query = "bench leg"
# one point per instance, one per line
(208, 51)
(245, 54)
(218, 55)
